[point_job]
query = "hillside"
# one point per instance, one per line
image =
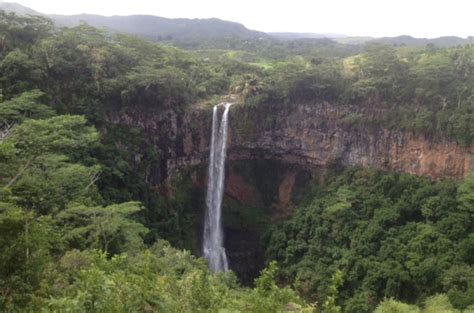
(18, 9)
(292, 36)
(163, 29)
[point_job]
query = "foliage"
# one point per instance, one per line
(22, 31)
(26, 105)
(330, 302)
(109, 229)
(159, 279)
(435, 304)
(81, 214)
(26, 243)
(391, 235)
(33, 141)
(392, 306)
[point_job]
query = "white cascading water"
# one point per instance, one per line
(213, 238)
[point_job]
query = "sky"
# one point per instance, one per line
(377, 18)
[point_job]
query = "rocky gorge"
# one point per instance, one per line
(274, 153)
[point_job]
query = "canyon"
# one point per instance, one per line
(275, 153)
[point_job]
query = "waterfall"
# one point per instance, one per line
(213, 238)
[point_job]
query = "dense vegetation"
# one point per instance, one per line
(68, 241)
(81, 221)
(388, 235)
(425, 90)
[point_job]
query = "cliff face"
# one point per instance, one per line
(306, 135)
(313, 135)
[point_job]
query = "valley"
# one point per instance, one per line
(194, 165)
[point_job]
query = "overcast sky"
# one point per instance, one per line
(420, 18)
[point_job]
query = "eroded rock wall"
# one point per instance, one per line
(304, 134)
(316, 134)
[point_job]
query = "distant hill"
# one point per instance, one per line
(181, 31)
(216, 33)
(159, 28)
(293, 36)
(449, 41)
(353, 40)
(18, 9)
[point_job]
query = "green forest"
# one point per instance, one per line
(82, 228)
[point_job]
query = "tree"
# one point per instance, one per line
(393, 306)
(62, 181)
(56, 135)
(246, 87)
(27, 105)
(381, 72)
(111, 228)
(435, 76)
(330, 305)
(26, 242)
(466, 194)
(22, 31)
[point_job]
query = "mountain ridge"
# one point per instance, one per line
(152, 26)
(191, 33)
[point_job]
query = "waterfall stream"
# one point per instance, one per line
(213, 238)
